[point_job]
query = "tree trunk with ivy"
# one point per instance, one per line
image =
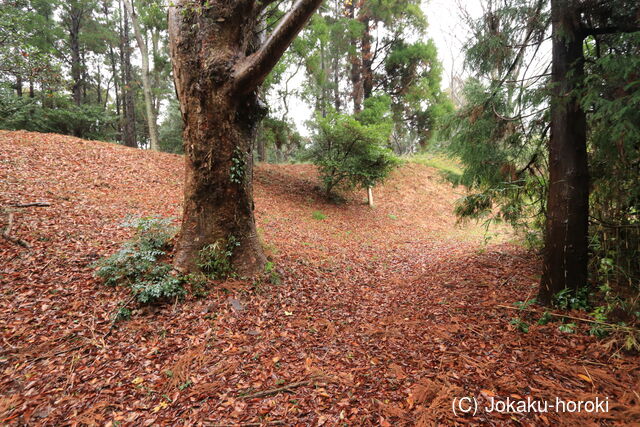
(220, 59)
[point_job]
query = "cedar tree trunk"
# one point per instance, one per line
(566, 235)
(219, 61)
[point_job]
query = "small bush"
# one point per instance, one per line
(137, 264)
(567, 299)
(161, 289)
(352, 152)
(59, 116)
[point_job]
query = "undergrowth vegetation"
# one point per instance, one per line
(142, 265)
(601, 323)
(138, 264)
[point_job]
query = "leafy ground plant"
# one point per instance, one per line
(137, 264)
(215, 259)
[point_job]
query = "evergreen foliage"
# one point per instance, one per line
(353, 151)
(501, 134)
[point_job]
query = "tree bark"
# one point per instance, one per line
(566, 234)
(219, 61)
(146, 84)
(114, 73)
(337, 101)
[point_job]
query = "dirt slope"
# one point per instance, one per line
(383, 316)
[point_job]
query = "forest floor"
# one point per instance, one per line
(383, 316)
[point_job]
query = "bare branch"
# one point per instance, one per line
(7, 234)
(252, 71)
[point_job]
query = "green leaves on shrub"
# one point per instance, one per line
(61, 116)
(568, 299)
(317, 215)
(353, 151)
(162, 289)
(137, 264)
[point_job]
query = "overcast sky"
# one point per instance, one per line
(449, 33)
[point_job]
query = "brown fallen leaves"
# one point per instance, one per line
(383, 317)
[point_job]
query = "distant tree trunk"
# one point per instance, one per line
(99, 86)
(74, 25)
(219, 62)
(323, 68)
(114, 73)
(337, 101)
(357, 91)
(146, 84)
(155, 42)
(32, 90)
(261, 147)
(367, 59)
(566, 235)
(85, 75)
(128, 102)
(19, 86)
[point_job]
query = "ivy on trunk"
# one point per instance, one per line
(220, 59)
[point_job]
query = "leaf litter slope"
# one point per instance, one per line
(383, 315)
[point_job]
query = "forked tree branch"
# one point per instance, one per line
(252, 71)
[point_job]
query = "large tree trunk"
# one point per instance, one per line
(566, 238)
(219, 61)
(146, 84)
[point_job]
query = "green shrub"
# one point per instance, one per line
(170, 130)
(60, 115)
(272, 273)
(568, 299)
(162, 288)
(137, 264)
(352, 151)
(128, 265)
